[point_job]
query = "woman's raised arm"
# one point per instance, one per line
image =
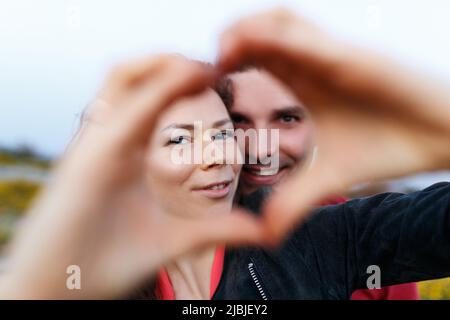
(97, 212)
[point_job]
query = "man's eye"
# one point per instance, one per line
(224, 134)
(289, 118)
(180, 140)
(238, 119)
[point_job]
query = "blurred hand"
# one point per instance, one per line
(374, 119)
(97, 211)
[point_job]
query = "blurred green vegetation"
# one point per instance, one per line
(435, 289)
(7, 223)
(23, 155)
(15, 199)
(16, 196)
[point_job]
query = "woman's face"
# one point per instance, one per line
(202, 183)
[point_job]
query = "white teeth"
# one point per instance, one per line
(218, 186)
(265, 172)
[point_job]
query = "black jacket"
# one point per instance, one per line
(407, 236)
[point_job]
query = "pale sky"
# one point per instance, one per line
(54, 53)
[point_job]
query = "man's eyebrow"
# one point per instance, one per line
(238, 114)
(290, 110)
(191, 126)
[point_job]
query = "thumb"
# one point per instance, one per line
(293, 201)
(235, 228)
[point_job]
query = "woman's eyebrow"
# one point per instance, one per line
(179, 126)
(221, 122)
(191, 126)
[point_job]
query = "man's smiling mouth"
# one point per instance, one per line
(261, 171)
(258, 175)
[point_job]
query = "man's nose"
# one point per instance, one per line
(262, 146)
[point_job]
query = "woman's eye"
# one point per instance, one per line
(224, 134)
(288, 118)
(180, 140)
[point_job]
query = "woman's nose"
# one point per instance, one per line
(213, 155)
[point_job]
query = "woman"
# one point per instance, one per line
(193, 189)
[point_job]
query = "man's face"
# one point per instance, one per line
(263, 102)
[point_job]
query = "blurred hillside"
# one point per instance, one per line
(23, 155)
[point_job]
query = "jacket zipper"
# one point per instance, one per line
(251, 269)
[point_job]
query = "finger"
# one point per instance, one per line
(262, 34)
(118, 86)
(293, 201)
(289, 46)
(177, 78)
(235, 228)
(132, 72)
(277, 34)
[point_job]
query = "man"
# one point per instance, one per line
(257, 100)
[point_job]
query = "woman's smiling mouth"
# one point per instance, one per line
(215, 190)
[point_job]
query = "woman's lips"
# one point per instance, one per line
(262, 176)
(216, 190)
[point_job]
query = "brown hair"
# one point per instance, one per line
(224, 86)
